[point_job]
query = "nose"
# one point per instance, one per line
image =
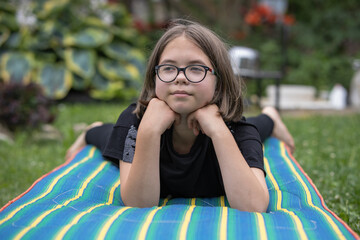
(181, 77)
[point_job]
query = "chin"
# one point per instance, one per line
(182, 109)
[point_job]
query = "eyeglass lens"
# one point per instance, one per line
(193, 73)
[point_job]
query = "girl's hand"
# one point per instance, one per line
(159, 116)
(207, 120)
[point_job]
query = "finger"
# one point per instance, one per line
(195, 130)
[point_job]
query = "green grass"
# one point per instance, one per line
(327, 147)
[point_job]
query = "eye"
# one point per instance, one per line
(196, 69)
(168, 68)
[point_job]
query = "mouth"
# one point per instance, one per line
(181, 93)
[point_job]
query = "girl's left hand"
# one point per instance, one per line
(206, 119)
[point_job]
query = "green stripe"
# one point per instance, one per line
(39, 219)
(65, 170)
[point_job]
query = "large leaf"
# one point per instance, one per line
(88, 38)
(81, 62)
(99, 82)
(4, 34)
(123, 52)
(8, 20)
(55, 79)
(127, 34)
(8, 7)
(94, 21)
(46, 8)
(14, 41)
(118, 71)
(105, 90)
(112, 90)
(80, 83)
(17, 67)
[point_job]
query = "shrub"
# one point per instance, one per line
(24, 105)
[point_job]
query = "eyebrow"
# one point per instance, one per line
(169, 61)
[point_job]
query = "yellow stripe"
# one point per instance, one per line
(193, 201)
(261, 224)
(296, 219)
(107, 225)
(186, 222)
(75, 220)
(80, 193)
(222, 201)
(147, 223)
(308, 194)
(223, 223)
(165, 201)
(50, 188)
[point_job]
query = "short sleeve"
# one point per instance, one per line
(121, 143)
(248, 140)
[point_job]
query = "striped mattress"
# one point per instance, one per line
(81, 200)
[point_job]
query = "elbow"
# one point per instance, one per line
(254, 204)
(130, 200)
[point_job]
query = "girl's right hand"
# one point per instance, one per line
(159, 116)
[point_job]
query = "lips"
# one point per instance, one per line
(180, 92)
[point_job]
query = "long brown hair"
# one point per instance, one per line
(228, 94)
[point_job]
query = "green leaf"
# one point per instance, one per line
(94, 21)
(46, 8)
(81, 62)
(8, 20)
(107, 94)
(4, 34)
(123, 52)
(99, 82)
(55, 79)
(16, 67)
(8, 7)
(88, 38)
(13, 41)
(80, 83)
(106, 90)
(127, 34)
(118, 71)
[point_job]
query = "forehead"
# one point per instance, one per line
(183, 49)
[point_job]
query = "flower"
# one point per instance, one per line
(289, 20)
(262, 14)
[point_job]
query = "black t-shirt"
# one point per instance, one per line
(195, 174)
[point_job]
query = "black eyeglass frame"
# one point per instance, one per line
(184, 71)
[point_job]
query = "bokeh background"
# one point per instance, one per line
(67, 63)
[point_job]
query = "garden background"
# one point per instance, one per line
(89, 58)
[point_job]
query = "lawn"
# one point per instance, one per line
(327, 147)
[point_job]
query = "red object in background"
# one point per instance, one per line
(289, 20)
(262, 14)
(253, 18)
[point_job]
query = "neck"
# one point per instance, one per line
(183, 137)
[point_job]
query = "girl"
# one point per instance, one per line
(186, 136)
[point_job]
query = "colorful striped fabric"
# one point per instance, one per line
(81, 200)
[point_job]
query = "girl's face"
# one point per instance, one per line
(182, 96)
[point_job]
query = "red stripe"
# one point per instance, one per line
(39, 179)
(319, 195)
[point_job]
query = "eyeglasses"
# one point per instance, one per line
(193, 73)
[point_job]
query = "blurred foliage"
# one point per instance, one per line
(24, 106)
(321, 42)
(88, 46)
(320, 45)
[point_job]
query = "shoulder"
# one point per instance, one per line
(127, 118)
(243, 130)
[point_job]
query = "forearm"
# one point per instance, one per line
(243, 189)
(142, 185)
